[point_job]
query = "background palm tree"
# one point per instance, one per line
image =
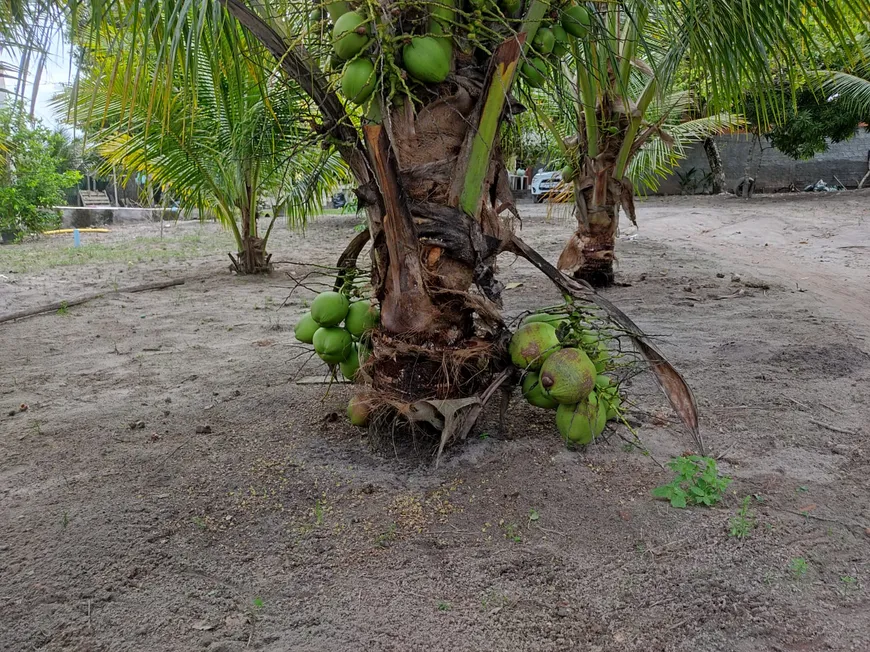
(612, 82)
(547, 134)
(231, 138)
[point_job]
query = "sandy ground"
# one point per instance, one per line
(170, 488)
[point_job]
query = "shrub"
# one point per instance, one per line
(32, 178)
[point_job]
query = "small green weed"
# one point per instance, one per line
(483, 436)
(200, 522)
(64, 521)
(741, 525)
(318, 512)
(385, 537)
(799, 567)
(64, 308)
(444, 606)
(697, 482)
(258, 603)
(533, 515)
(512, 532)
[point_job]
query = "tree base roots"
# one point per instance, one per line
(597, 278)
(253, 259)
(404, 380)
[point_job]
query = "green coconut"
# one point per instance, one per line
(544, 40)
(335, 8)
(335, 63)
(602, 382)
(547, 318)
(329, 308)
(581, 423)
(358, 411)
(576, 21)
(612, 402)
(560, 47)
(532, 344)
(445, 42)
(333, 345)
(350, 35)
(426, 59)
(568, 376)
(315, 16)
(568, 173)
(358, 80)
(535, 72)
(441, 16)
(441, 19)
(362, 316)
(601, 357)
(511, 7)
(350, 366)
(534, 393)
(305, 329)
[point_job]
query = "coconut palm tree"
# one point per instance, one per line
(613, 82)
(413, 98)
(548, 133)
(218, 145)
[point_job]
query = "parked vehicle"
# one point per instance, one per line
(544, 184)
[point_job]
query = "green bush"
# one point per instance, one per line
(32, 174)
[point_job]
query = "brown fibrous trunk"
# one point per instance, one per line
(432, 264)
(252, 257)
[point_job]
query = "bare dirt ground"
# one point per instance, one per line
(169, 488)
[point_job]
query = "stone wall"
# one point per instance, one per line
(847, 161)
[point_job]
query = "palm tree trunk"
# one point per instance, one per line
(252, 257)
(714, 158)
(427, 252)
(590, 251)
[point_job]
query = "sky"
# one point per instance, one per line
(57, 72)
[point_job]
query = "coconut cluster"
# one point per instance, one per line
(339, 330)
(553, 40)
(564, 366)
(415, 45)
(368, 52)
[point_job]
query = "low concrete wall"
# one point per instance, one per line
(847, 161)
(81, 217)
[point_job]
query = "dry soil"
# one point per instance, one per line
(169, 487)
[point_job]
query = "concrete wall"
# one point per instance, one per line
(847, 161)
(77, 216)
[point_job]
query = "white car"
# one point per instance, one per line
(544, 183)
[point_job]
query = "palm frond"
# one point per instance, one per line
(855, 90)
(226, 136)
